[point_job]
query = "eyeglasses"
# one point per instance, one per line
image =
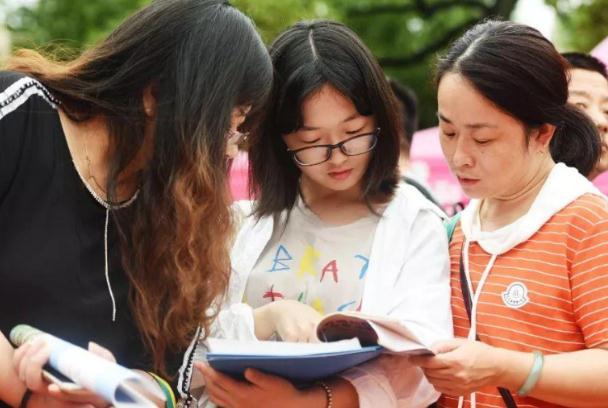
(354, 146)
(236, 138)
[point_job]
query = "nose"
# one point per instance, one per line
(337, 156)
(599, 118)
(602, 126)
(461, 156)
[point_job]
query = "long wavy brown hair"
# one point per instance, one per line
(203, 58)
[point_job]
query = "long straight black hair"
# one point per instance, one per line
(306, 57)
(520, 71)
(202, 58)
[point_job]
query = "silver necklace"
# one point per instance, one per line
(108, 206)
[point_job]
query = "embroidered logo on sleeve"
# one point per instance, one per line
(516, 295)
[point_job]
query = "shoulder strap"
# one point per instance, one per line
(468, 305)
(450, 225)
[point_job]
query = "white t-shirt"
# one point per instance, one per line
(318, 264)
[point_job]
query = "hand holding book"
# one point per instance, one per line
(50, 388)
(94, 377)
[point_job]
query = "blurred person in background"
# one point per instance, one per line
(409, 109)
(588, 89)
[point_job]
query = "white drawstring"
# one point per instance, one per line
(108, 207)
(106, 266)
(476, 295)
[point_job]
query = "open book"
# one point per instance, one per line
(299, 362)
(349, 339)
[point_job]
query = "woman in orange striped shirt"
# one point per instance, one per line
(529, 256)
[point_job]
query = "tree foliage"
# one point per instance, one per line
(67, 24)
(272, 16)
(405, 35)
(582, 25)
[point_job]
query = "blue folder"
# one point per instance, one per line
(299, 369)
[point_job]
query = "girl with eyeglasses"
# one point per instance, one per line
(331, 229)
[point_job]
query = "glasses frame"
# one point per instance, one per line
(330, 148)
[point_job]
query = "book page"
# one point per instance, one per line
(337, 327)
(278, 348)
(395, 342)
(385, 331)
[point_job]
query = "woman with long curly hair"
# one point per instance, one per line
(114, 213)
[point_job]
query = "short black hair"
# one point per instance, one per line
(306, 57)
(409, 108)
(585, 61)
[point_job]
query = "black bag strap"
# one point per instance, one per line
(468, 305)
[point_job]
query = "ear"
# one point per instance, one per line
(545, 134)
(149, 100)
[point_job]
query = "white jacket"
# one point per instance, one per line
(407, 278)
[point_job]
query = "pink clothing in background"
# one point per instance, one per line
(601, 182)
(601, 51)
(239, 177)
(428, 166)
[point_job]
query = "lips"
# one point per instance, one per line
(341, 174)
(467, 181)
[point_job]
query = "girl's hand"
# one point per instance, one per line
(461, 366)
(292, 320)
(29, 360)
(260, 390)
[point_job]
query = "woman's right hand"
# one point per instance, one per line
(290, 319)
(39, 400)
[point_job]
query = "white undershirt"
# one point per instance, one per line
(311, 261)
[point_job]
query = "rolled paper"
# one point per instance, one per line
(116, 384)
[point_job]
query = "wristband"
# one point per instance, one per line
(26, 398)
(166, 389)
(328, 393)
(533, 375)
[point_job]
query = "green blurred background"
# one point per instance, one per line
(405, 35)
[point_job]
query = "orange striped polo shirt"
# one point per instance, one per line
(564, 267)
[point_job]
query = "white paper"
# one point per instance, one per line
(279, 348)
(116, 384)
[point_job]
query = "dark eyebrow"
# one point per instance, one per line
(478, 125)
(443, 118)
(586, 95)
(351, 117)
